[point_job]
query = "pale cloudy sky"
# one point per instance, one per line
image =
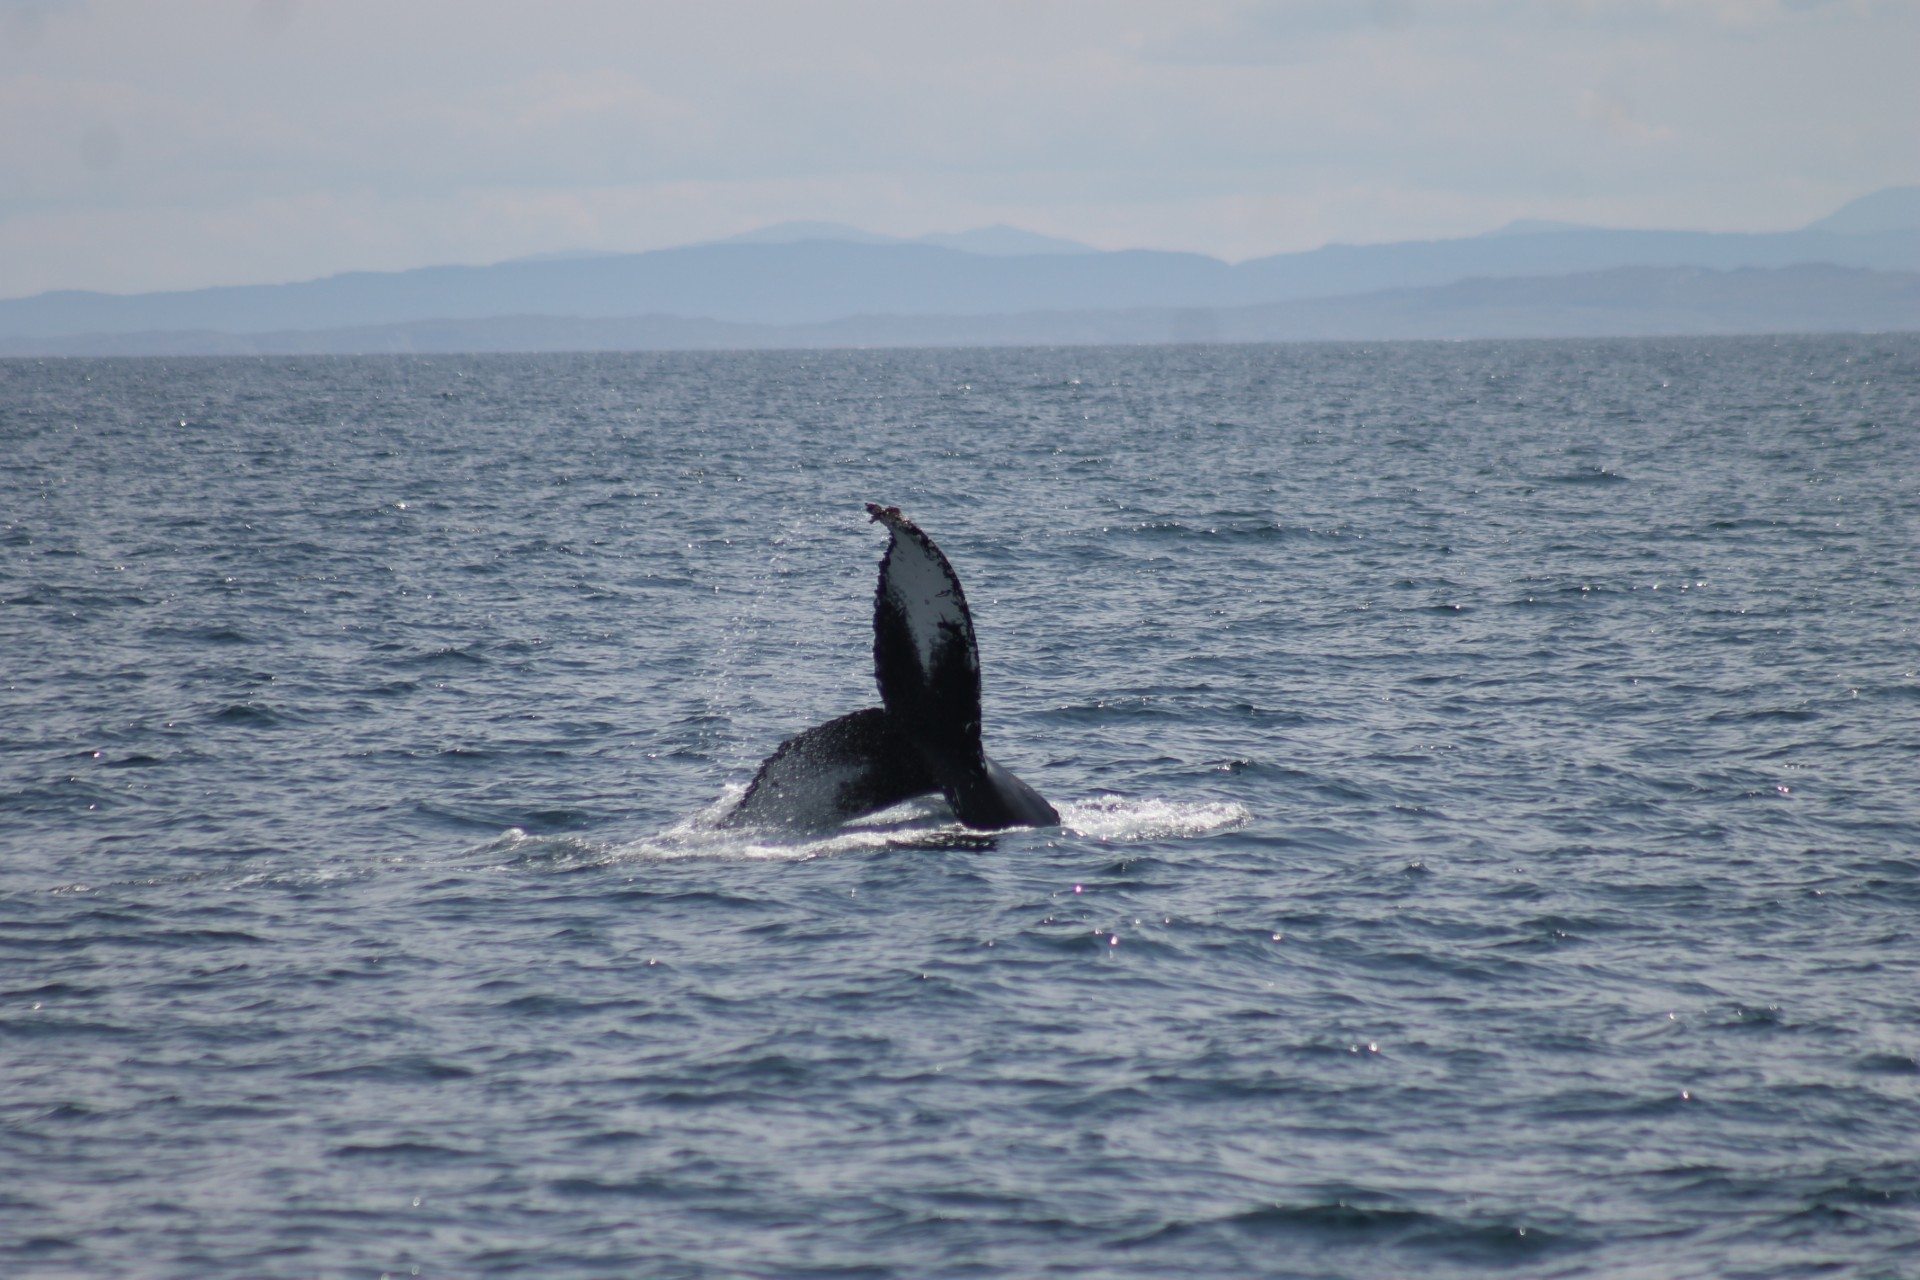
(150, 145)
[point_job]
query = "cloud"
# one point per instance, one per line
(1613, 113)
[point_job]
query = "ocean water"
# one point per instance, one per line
(1491, 780)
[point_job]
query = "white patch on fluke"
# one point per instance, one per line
(923, 590)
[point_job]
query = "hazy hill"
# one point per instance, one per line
(813, 273)
(1551, 250)
(1626, 301)
(764, 283)
(1621, 301)
(1002, 241)
(1894, 209)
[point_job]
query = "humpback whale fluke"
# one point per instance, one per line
(925, 735)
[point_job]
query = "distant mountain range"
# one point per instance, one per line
(1619, 302)
(812, 284)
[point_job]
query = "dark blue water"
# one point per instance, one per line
(1491, 777)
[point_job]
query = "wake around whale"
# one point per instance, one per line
(925, 735)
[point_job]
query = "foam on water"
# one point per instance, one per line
(1119, 819)
(920, 824)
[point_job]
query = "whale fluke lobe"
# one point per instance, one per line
(926, 734)
(848, 766)
(924, 656)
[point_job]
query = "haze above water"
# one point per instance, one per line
(1488, 771)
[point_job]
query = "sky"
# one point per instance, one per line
(172, 145)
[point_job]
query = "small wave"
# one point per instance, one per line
(1103, 710)
(405, 1068)
(1588, 475)
(250, 714)
(446, 655)
(1121, 819)
(515, 850)
(1338, 1223)
(494, 817)
(138, 760)
(1235, 531)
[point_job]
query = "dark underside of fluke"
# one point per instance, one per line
(925, 735)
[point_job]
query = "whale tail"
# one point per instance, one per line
(926, 734)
